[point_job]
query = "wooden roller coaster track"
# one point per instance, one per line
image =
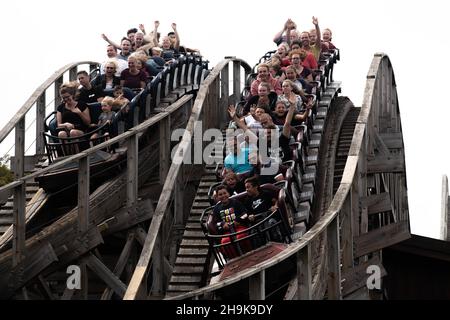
(354, 218)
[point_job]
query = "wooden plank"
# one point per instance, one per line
(132, 170)
(36, 260)
(236, 81)
(121, 263)
(347, 232)
(106, 275)
(68, 294)
(45, 288)
(377, 203)
(164, 148)
(40, 116)
(125, 218)
(392, 140)
(75, 248)
(388, 164)
(334, 260)
(356, 278)
(73, 73)
(162, 208)
(304, 274)
(444, 210)
(83, 194)
(225, 91)
(158, 266)
(19, 194)
(32, 99)
(19, 224)
(257, 286)
(381, 238)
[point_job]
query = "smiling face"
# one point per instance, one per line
(326, 35)
(304, 38)
(263, 73)
(126, 46)
(138, 39)
(223, 195)
(280, 109)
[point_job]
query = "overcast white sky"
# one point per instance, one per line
(38, 37)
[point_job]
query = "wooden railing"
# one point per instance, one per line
(39, 98)
(130, 138)
(209, 111)
(340, 223)
(445, 221)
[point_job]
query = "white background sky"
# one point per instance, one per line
(39, 37)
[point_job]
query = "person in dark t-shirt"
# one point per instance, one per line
(230, 216)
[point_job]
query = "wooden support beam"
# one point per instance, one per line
(257, 286)
(158, 266)
(19, 224)
(236, 81)
(377, 203)
(126, 218)
(445, 221)
(334, 260)
(83, 215)
(40, 116)
(379, 144)
(140, 235)
(106, 275)
(45, 289)
(383, 164)
(68, 294)
(79, 245)
(132, 170)
(164, 148)
(381, 238)
(73, 73)
(83, 194)
(121, 263)
(347, 232)
(19, 194)
(178, 199)
(304, 274)
(58, 84)
(392, 140)
(225, 91)
(34, 262)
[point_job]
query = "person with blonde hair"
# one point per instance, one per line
(106, 117)
(132, 77)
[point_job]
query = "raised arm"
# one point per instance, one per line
(115, 45)
(318, 34)
(177, 36)
(240, 124)
(287, 124)
(142, 28)
(155, 33)
(279, 34)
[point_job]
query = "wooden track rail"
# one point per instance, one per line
(209, 111)
(368, 212)
(375, 163)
